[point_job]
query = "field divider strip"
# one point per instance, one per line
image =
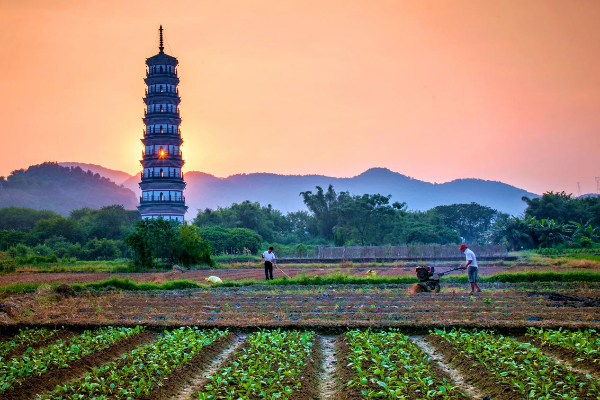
(196, 383)
(454, 374)
(328, 381)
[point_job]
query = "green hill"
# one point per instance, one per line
(49, 186)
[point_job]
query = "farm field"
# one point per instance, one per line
(302, 341)
(500, 305)
(28, 275)
(194, 363)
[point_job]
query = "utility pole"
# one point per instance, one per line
(598, 185)
(578, 189)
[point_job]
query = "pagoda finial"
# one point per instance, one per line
(161, 47)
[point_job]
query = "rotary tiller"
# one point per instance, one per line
(429, 280)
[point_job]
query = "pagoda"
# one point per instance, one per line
(162, 181)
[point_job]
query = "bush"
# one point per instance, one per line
(51, 259)
(42, 250)
(231, 241)
(22, 250)
(189, 249)
(103, 249)
(157, 242)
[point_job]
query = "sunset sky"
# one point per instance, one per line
(437, 90)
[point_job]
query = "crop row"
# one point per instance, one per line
(586, 343)
(26, 336)
(521, 366)
(141, 370)
(388, 365)
(271, 365)
(59, 354)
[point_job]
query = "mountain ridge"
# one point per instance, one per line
(205, 190)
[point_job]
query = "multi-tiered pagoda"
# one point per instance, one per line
(162, 179)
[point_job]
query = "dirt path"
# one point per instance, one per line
(191, 388)
(238, 273)
(456, 376)
(326, 374)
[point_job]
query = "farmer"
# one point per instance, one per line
(269, 258)
(473, 267)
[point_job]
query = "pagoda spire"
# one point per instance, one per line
(161, 47)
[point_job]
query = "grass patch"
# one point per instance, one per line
(20, 288)
(130, 285)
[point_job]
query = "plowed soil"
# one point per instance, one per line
(302, 306)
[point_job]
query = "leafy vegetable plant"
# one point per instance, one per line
(388, 365)
(59, 354)
(26, 336)
(586, 342)
(268, 367)
(141, 370)
(522, 366)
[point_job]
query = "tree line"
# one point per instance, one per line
(332, 218)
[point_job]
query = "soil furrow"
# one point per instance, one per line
(569, 358)
(182, 375)
(455, 375)
(198, 379)
(48, 381)
(473, 372)
(328, 382)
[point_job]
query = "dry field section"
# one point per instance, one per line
(309, 307)
(193, 363)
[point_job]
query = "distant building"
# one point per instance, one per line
(162, 182)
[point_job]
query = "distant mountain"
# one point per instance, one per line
(117, 177)
(50, 186)
(283, 191)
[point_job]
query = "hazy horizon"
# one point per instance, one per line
(503, 91)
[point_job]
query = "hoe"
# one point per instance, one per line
(429, 280)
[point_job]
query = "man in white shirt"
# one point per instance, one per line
(269, 258)
(473, 267)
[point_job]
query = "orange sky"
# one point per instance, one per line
(438, 90)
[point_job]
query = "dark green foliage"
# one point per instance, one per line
(344, 219)
(231, 241)
(110, 222)
(158, 242)
(86, 234)
(531, 233)
(323, 207)
(470, 221)
(11, 238)
(47, 228)
(103, 249)
(563, 208)
(22, 219)
(269, 223)
(189, 248)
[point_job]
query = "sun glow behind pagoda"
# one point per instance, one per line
(162, 182)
